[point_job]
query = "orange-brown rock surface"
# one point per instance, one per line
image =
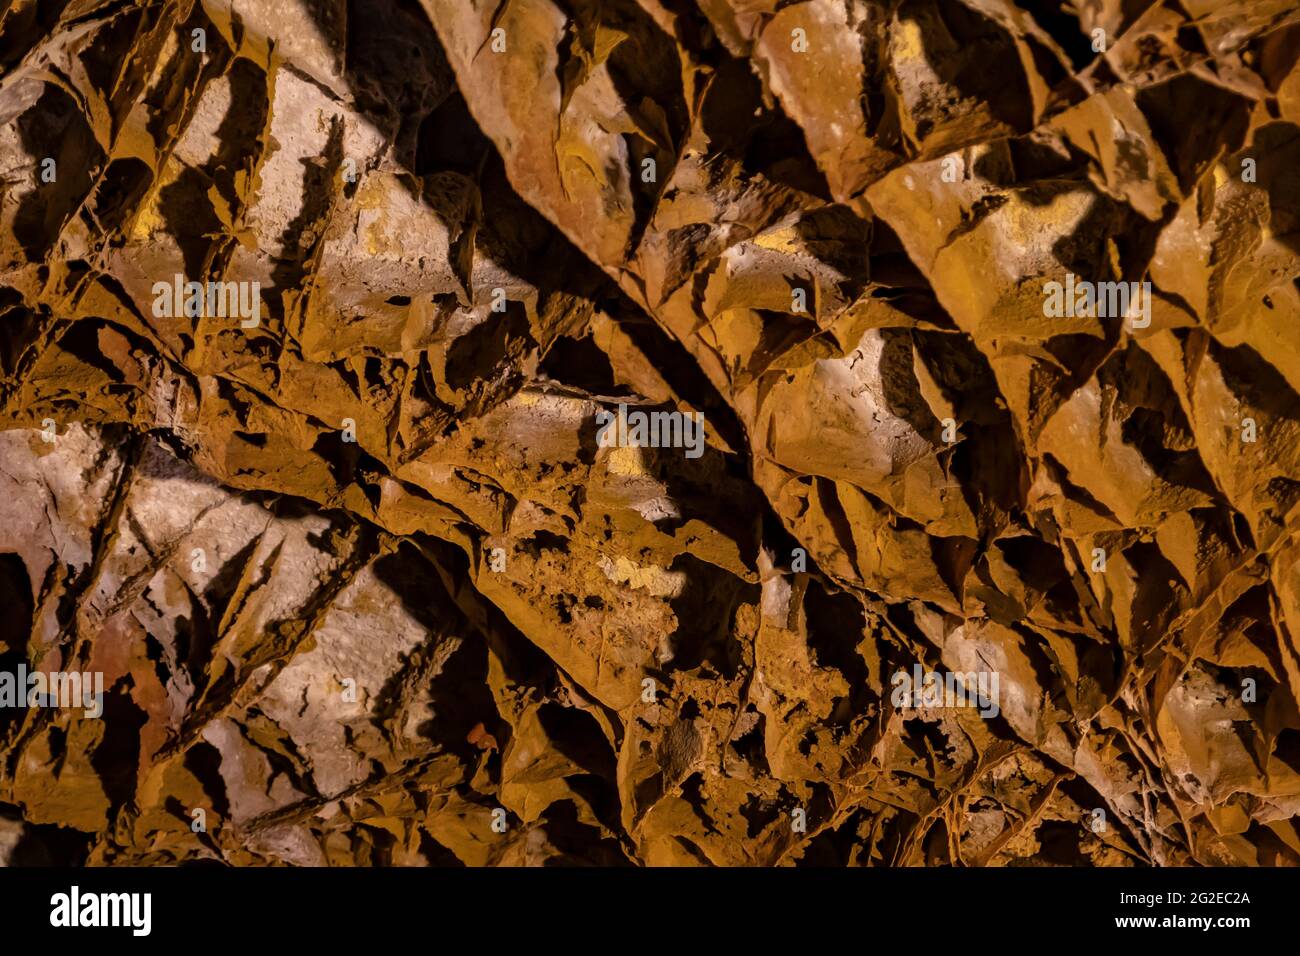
(988, 312)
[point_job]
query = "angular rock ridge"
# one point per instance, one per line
(740, 432)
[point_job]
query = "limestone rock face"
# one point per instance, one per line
(739, 432)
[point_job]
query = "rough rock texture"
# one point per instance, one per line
(364, 582)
